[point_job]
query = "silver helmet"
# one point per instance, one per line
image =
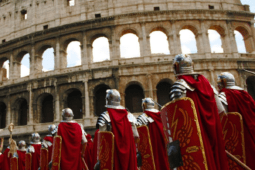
(148, 103)
(35, 137)
(227, 80)
(112, 97)
(52, 129)
(22, 145)
(183, 65)
(67, 114)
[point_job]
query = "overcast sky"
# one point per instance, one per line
(129, 47)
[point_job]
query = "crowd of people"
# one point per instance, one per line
(80, 152)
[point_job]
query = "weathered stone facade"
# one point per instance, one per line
(78, 22)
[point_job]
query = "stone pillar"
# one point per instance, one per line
(232, 40)
(226, 45)
(30, 105)
(85, 60)
(57, 105)
(32, 61)
(16, 69)
(145, 42)
(89, 53)
(148, 76)
(249, 43)
(114, 48)
(59, 56)
(38, 64)
(8, 113)
(174, 40)
(211, 70)
(86, 92)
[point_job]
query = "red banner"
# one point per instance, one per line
(28, 163)
(14, 163)
(106, 150)
(57, 144)
(233, 134)
(181, 123)
(44, 159)
(145, 148)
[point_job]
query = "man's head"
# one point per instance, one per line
(148, 103)
(183, 65)
(67, 114)
(52, 129)
(112, 97)
(22, 144)
(35, 137)
(225, 80)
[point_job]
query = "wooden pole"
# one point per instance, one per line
(237, 161)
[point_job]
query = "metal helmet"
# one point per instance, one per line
(148, 103)
(225, 80)
(22, 144)
(67, 114)
(52, 128)
(36, 137)
(183, 65)
(112, 97)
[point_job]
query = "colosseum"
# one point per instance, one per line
(32, 26)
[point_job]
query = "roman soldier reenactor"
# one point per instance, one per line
(151, 117)
(73, 145)
(193, 92)
(35, 150)
(235, 99)
(22, 154)
(121, 124)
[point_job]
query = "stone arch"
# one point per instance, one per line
(247, 37)
(250, 81)
(129, 30)
(45, 107)
(193, 28)
(20, 111)
(99, 98)
(159, 28)
(68, 40)
(134, 93)
(98, 35)
(3, 111)
(73, 99)
(101, 43)
(154, 40)
(222, 33)
(163, 90)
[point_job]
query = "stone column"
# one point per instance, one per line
(145, 42)
(225, 43)
(89, 53)
(57, 106)
(174, 40)
(32, 62)
(114, 47)
(86, 92)
(211, 70)
(150, 85)
(16, 69)
(30, 105)
(232, 40)
(8, 113)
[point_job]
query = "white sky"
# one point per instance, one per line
(129, 47)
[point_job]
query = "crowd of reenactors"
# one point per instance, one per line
(201, 128)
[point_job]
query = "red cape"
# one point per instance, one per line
(158, 141)
(50, 139)
(95, 148)
(6, 160)
(125, 149)
(71, 145)
(1, 161)
(36, 156)
(22, 159)
(89, 153)
(209, 122)
(240, 101)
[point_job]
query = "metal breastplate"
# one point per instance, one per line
(179, 89)
(144, 119)
(223, 98)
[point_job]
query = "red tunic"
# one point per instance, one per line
(89, 153)
(6, 160)
(36, 156)
(50, 139)
(22, 159)
(240, 101)
(1, 161)
(71, 134)
(158, 141)
(125, 150)
(209, 122)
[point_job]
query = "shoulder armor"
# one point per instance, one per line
(223, 98)
(214, 90)
(234, 88)
(30, 149)
(179, 88)
(131, 118)
(103, 119)
(144, 119)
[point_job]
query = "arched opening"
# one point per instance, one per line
(48, 59)
(101, 49)
(215, 41)
(74, 102)
(25, 65)
(129, 46)
(2, 115)
(47, 112)
(5, 70)
(163, 90)
(251, 86)
(133, 98)
(188, 41)
(73, 54)
(240, 42)
(22, 112)
(99, 99)
(159, 43)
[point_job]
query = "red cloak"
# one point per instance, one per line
(50, 139)
(89, 153)
(36, 156)
(71, 145)
(240, 101)
(158, 141)
(124, 146)
(6, 160)
(209, 121)
(95, 148)
(22, 159)
(1, 161)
